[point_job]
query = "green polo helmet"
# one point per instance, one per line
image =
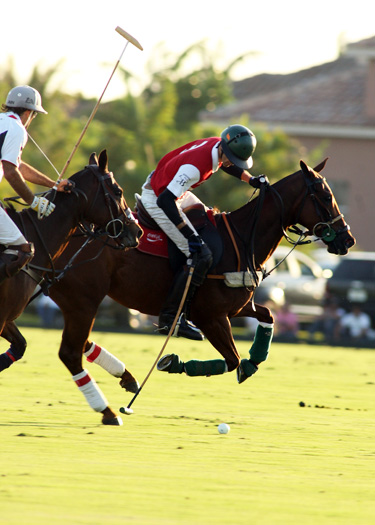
(238, 143)
(25, 97)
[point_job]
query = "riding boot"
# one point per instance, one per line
(11, 264)
(184, 328)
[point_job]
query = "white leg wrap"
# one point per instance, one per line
(103, 358)
(91, 391)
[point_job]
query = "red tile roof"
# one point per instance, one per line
(329, 94)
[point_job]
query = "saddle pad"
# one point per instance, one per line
(153, 242)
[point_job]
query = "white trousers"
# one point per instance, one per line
(188, 199)
(9, 233)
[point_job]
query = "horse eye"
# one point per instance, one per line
(117, 192)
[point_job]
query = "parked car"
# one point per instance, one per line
(353, 281)
(298, 280)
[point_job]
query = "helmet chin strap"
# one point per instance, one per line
(30, 118)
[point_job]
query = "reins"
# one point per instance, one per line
(45, 277)
(328, 234)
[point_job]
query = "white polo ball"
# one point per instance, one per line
(223, 428)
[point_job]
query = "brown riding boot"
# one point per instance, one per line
(11, 264)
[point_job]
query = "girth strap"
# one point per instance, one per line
(226, 222)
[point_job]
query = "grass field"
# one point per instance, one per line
(280, 464)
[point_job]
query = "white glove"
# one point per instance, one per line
(43, 206)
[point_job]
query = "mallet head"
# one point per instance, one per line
(129, 37)
(126, 410)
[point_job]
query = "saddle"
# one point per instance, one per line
(11, 264)
(155, 242)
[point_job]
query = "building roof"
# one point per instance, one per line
(331, 94)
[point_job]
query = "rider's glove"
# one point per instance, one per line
(43, 206)
(258, 182)
(195, 244)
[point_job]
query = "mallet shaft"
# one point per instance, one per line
(133, 41)
(187, 286)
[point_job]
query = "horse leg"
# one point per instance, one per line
(262, 339)
(219, 333)
(17, 345)
(74, 337)
(100, 356)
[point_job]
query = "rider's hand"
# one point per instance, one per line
(195, 244)
(43, 206)
(64, 185)
(258, 182)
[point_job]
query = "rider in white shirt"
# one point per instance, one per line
(22, 105)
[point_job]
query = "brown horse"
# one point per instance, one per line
(141, 281)
(96, 198)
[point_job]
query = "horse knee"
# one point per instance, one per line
(72, 360)
(232, 362)
(18, 349)
(264, 314)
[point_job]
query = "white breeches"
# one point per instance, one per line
(9, 233)
(188, 199)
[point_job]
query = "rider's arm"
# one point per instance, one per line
(167, 202)
(13, 175)
(245, 176)
(186, 176)
(36, 177)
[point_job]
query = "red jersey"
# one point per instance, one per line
(189, 165)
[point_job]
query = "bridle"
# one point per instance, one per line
(115, 227)
(322, 230)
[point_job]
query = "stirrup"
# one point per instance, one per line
(184, 328)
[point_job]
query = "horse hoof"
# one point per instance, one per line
(129, 383)
(245, 369)
(114, 421)
(171, 363)
(130, 386)
(241, 376)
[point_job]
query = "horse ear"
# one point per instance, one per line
(321, 166)
(93, 159)
(304, 167)
(103, 160)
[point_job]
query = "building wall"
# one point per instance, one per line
(352, 161)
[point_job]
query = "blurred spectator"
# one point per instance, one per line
(286, 324)
(48, 311)
(328, 323)
(355, 325)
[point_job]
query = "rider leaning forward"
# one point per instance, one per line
(166, 193)
(22, 105)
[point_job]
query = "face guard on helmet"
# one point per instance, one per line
(25, 97)
(238, 144)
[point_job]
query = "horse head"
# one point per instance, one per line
(321, 214)
(105, 204)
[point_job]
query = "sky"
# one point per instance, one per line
(285, 36)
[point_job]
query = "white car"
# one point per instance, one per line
(297, 279)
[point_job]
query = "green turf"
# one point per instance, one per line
(280, 464)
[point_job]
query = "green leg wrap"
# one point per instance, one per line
(213, 367)
(261, 345)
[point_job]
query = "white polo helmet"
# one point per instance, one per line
(25, 97)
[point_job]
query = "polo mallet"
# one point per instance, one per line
(127, 410)
(128, 38)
